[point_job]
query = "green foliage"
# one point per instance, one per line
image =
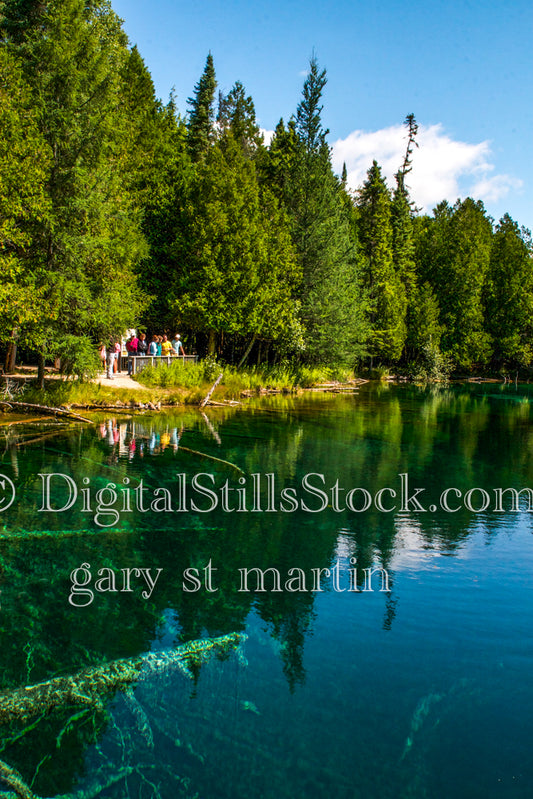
(113, 206)
(77, 356)
(453, 252)
(87, 242)
(387, 301)
(236, 113)
(509, 294)
(201, 116)
(211, 368)
(24, 205)
(425, 330)
(298, 168)
(432, 366)
(284, 376)
(177, 374)
(233, 263)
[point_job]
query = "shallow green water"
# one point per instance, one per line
(423, 690)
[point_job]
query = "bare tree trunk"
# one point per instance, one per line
(247, 352)
(208, 396)
(211, 344)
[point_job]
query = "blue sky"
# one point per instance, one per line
(464, 69)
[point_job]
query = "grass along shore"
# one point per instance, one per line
(175, 385)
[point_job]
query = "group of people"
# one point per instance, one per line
(160, 345)
(138, 345)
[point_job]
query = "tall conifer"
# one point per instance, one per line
(201, 115)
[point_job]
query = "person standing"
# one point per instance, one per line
(166, 346)
(177, 345)
(110, 355)
(142, 346)
(131, 346)
(116, 365)
(102, 351)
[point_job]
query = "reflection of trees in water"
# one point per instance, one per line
(441, 438)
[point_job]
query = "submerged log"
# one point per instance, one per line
(10, 777)
(211, 458)
(89, 685)
(87, 688)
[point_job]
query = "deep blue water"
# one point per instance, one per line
(423, 690)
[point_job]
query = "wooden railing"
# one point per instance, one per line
(140, 361)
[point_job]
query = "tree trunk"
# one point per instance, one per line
(215, 384)
(247, 352)
(211, 344)
(40, 372)
(10, 357)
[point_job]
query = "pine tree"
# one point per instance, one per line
(298, 167)
(308, 115)
(236, 112)
(403, 247)
(201, 116)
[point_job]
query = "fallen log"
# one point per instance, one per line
(44, 409)
(208, 395)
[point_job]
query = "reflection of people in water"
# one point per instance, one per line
(153, 445)
(128, 438)
(176, 438)
(110, 436)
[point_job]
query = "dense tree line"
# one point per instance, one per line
(115, 210)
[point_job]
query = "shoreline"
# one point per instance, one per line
(122, 394)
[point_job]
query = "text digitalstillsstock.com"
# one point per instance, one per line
(257, 493)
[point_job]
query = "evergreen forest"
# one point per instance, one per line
(120, 211)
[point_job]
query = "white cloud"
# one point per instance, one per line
(493, 189)
(442, 168)
(267, 135)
